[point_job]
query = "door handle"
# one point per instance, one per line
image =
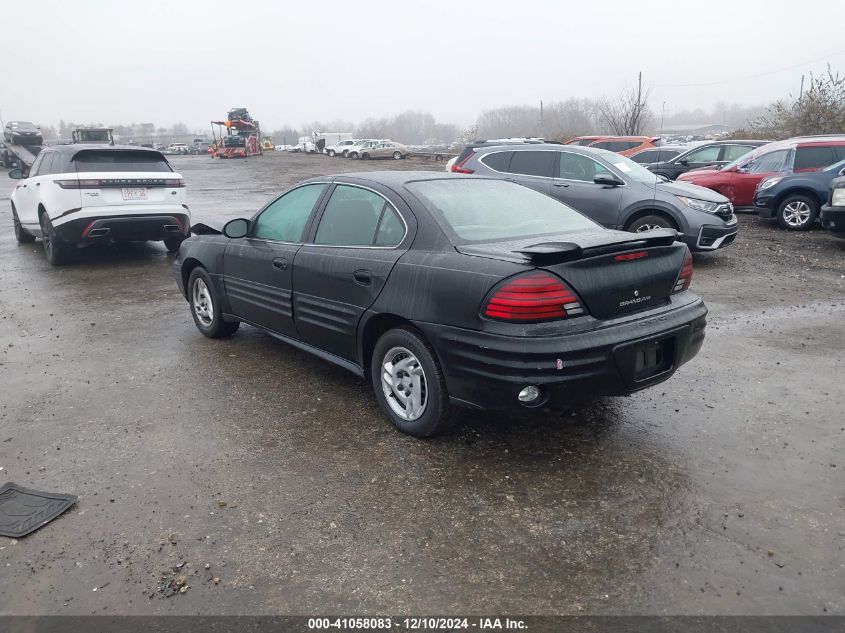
(561, 184)
(363, 277)
(281, 263)
(37, 184)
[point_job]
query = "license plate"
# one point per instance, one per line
(653, 358)
(135, 193)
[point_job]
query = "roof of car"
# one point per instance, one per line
(75, 148)
(529, 147)
(398, 178)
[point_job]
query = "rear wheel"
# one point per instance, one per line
(205, 306)
(57, 252)
(409, 384)
(345, 153)
(649, 222)
(797, 213)
(331, 153)
(353, 155)
(20, 233)
(365, 156)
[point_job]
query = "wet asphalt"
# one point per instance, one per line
(721, 491)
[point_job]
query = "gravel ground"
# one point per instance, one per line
(717, 492)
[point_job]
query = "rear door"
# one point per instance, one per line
(742, 183)
(533, 169)
(26, 194)
(573, 185)
(257, 269)
(340, 272)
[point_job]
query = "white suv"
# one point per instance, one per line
(341, 147)
(77, 195)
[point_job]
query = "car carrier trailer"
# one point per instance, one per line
(13, 155)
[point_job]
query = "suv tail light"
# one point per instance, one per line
(81, 183)
(530, 298)
(458, 165)
(685, 276)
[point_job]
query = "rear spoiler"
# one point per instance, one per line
(204, 229)
(558, 252)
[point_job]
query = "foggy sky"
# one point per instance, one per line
(125, 61)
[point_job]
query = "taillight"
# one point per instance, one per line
(174, 182)
(625, 257)
(532, 297)
(458, 166)
(685, 276)
(81, 183)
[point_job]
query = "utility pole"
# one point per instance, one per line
(801, 91)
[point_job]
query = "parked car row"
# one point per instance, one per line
(365, 149)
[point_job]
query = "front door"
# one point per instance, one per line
(340, 273)
(573, 185)
(257, 269)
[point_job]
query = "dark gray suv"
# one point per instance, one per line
(612, 190)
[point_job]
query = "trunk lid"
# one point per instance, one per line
(613, 272)
(127, 188)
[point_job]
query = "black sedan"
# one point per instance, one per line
(447, 289)
(833, 213)
(22, 133)
(794, 199)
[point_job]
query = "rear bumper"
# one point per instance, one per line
(833, 219)
(123, 228)
(488, 371)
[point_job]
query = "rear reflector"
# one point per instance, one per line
(685, 276)
(530, 298)
(629, 256)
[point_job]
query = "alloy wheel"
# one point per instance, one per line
(647, 227)
(203, 305)
(403, 383)
(797, 213)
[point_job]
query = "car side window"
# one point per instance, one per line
(47, 164)
(532, 163)
(352, 217)
(284, 220)
(391, 229)
(732, 152)
(579, 167)
(647, 156)
(704, 155)
(500, 161)
(770, 162)
(36, 166)
(814, 157)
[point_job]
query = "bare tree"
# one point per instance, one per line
(628, 113)
(818, 110)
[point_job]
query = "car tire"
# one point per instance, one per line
(21, 235)
(397, 155)
(353, 155)
(430, 414)
(331, 153)
(56, 251)
(648, 222)
(172, 244)
(365, 156)
(205, 306)
(345, 153)
(797, 212)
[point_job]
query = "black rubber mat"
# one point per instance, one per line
(23, 510)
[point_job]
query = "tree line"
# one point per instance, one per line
(817, 109)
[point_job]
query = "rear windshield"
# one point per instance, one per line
(117, 160)
(494, 210)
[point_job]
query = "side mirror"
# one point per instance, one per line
(684, 162)
(16, 173)
(606, 179)
(663, 178)
(235, 229)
